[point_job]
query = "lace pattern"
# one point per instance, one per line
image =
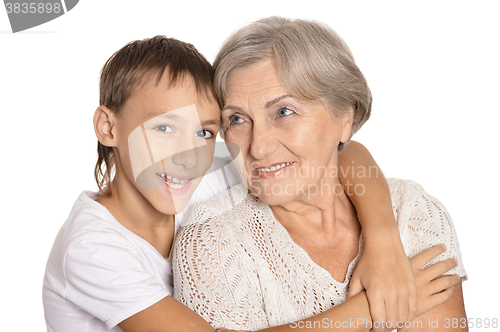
(239, 268)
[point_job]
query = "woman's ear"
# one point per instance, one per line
(104, 120)
(347, 120)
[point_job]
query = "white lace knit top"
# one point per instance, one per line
(237, 266)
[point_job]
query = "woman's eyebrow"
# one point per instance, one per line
(234, 108)
(275, 100)
(268, 104)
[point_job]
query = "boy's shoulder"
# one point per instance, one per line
(88, 219)
(89, 223)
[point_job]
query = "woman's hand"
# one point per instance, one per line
(385, 272)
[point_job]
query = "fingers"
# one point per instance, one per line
(426, 256)
(392, 311)
(442, 283)
(377, 310)
(440, 298)
(404, 308)
(412, 302)
(437, 269)
(355, 287)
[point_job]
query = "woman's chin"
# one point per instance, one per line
(272, 198)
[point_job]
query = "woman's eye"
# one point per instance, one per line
(235, 119)
(164, 128)
(285, 112)
(205, 134)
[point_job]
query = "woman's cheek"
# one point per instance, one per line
(237, 134)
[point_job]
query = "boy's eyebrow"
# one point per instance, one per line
(173, 116)
(211, 122)
(168, 115)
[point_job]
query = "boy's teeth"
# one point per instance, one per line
(171, 181)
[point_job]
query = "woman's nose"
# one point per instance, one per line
(263, 142)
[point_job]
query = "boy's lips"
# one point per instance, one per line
(172, 181)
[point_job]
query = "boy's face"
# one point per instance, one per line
(166, 136)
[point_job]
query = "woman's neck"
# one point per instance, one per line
(323, 213)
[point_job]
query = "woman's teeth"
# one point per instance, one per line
(172, 182)
(273, 168)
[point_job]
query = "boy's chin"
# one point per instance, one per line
(165, 203)
(171, 206)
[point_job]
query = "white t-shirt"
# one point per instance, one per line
(100, 273)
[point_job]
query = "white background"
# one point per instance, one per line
(433, 68)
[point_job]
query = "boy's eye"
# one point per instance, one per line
(205, 134)
(164, 128)
(285, 112)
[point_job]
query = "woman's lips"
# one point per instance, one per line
(272, 170)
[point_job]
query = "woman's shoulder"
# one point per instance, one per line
(220, 208)
(404, 188)
(418, 212)
(409, 196)
(423, 221)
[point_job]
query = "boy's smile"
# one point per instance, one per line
(166, 136)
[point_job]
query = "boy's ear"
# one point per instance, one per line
(104, 120)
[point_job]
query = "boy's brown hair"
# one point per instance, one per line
(135, 63)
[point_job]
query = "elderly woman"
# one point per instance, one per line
(284, 246)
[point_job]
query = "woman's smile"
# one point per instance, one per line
(272, 170)
(287, 144)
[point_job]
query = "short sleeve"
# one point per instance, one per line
(424, 222)
(108, 278)
(213, 277)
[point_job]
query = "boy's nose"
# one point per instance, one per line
(187, 158)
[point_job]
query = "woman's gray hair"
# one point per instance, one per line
(312, 61)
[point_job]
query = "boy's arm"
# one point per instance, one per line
(353, 315)
(384, 269)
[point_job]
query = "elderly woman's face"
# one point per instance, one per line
(289, 146)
